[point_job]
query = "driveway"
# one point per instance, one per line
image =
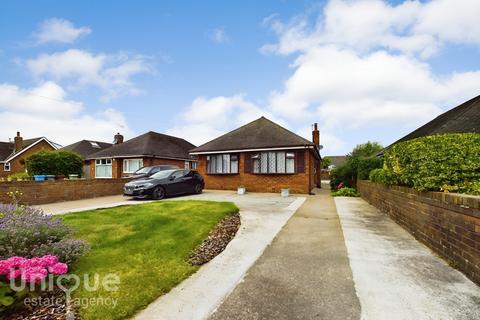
(397, 277)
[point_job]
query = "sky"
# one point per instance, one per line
(363, 70)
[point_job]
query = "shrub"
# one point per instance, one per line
(447, 162)
(18, 176)
(28, 232)
(345, 192)
(359, 163)
(55, 163)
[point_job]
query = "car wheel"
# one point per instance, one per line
(198, 188)
(158, 193)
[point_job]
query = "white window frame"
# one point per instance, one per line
(222, 163)
(126, 165)
(187, 164)
(7, 166)
(264, 168)
(99, 163)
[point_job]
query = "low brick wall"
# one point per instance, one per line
(447, 223)
(61, 190)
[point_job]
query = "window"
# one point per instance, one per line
(222, 163)
(6, 166)
(195, 165)
(187, 164)
(274, 162)
(103, 168)
(132, 165)
(94, 144)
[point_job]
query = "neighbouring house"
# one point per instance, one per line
(151, 148)
(461, 119)
(13, 154)
(261, 156)
(85, 148)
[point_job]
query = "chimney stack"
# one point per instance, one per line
(18, 142)
(316, 135)
(118, 138)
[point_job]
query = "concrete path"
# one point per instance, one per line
(397, 277)
(89, 204)
(303, 274)
(262, 216)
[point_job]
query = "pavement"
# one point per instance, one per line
(89, 204)
(397, 277)
(303, 274)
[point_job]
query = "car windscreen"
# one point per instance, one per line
(162, 174)
(143, 170)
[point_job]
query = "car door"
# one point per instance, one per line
(176, 182)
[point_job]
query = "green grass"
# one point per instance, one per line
(146, 245)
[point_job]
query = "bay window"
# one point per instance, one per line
(103, 168)
(222, 163)
(274, 162)
(132, 165)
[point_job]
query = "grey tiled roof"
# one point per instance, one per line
(261, 133)
(87, 147)
(151, 144)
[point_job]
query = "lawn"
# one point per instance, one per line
(146, 245)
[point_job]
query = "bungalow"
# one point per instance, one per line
(151, 148)
(261, 156)
(85, 148)
(13, 154)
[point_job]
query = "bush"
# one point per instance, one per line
(55, 163)
(448, 162)
(359, 163)
(346, 192)
(28, 232)
(18, 176)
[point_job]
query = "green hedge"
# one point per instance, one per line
(448, 162)
(55, 163)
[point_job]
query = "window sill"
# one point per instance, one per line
(274, 174)
(222, 174)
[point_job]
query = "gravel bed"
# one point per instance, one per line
(216, 241)
(45, 311)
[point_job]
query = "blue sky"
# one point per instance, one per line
(86, 69)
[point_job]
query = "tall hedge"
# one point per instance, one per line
(447, 162)
(55, 163)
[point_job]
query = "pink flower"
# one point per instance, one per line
(4, 267)
(34, 274)
(49, 260)
(13, 274)
(58, 268)
(15, 262)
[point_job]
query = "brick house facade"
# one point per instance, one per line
(151, 148)
(262, 157)
(14, 154)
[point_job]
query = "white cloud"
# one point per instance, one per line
(112, 73)
(219, 35)
(362, 67)
(60, 31)
(207, 118)
(46, 111)
(412, 27)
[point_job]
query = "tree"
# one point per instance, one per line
(326, 162)
(359, 163)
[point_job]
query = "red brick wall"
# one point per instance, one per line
(447, 223)
(61, 190)
(117, 165)
(17, 163)
(297, 183)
